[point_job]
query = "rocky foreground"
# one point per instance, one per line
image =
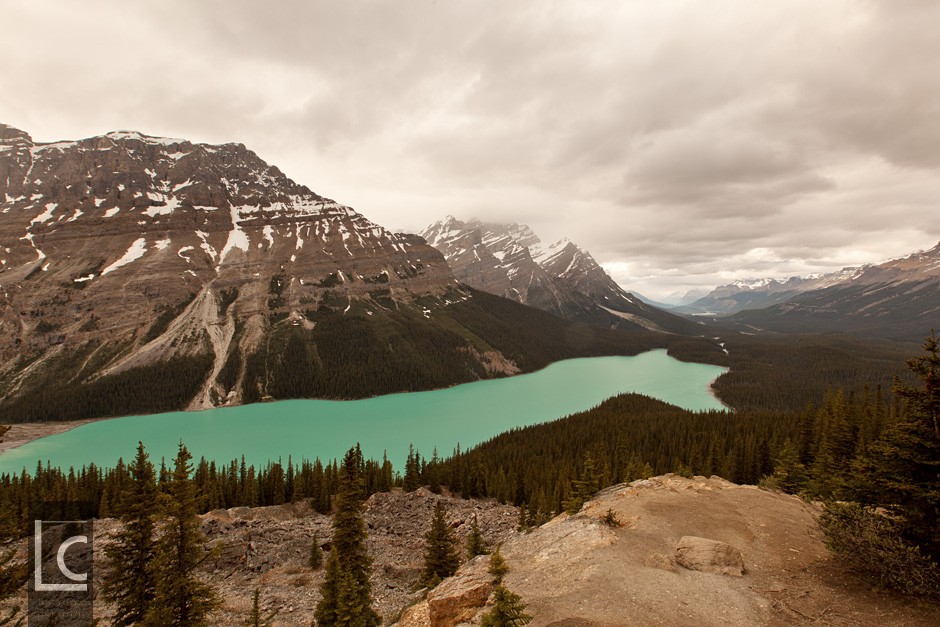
(689, 552)
(268, 548)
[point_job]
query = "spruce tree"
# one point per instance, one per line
(476, 545)
(440, 554)
(346, 593)
(507, 610)
(180, 599)
(316, 553)
(129, 582)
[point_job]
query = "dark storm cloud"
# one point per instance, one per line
(684, 143)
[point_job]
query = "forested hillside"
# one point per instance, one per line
(777, 373)
(364, 351)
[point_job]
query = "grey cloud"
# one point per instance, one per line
(677, 141)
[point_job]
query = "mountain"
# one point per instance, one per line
(685, 298)
(758, 293)
(142, 274)
(510, 260)
(897, 299)
(654, 303)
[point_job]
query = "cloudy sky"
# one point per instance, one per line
(685, 143)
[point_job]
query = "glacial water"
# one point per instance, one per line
(466, 414)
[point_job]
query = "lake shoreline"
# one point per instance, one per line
(21, 433)
(329, 425)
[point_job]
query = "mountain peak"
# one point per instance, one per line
(510, 260)
(10, 135)
(136, 135)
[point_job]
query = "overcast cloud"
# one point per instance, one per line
(684, 143)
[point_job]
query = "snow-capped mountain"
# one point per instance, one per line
(754, 294)
(757, 293)
(130, 262)
(897, 299)
(511, 261)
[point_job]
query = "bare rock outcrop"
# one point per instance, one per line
(458, 599)
(578, 571)
(709, 556)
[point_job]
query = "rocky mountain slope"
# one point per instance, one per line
(690, 552)
(898, 299)
(510, 260)
(144, 274)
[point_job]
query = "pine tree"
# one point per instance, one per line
(412, 471)
(346, 594)
(129, 582)
(476, 545)
(325, 614)
(180, 599)
(440, 555)
(507, 610)
(789, 474)
(498, 567)
(901, 471)
(433, 473)
(255, 619)
(584, 487)
(316, 553)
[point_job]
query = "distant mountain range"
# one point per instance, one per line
(897, 299)
(510, 260)
(758, 293)
(143, 274)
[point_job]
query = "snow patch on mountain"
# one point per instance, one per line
(237, 238)
(135, 252)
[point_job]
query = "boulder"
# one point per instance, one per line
(710, 556)
(458, 599)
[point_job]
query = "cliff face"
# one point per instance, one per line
(677, 560)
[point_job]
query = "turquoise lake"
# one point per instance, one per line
(466, 414)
